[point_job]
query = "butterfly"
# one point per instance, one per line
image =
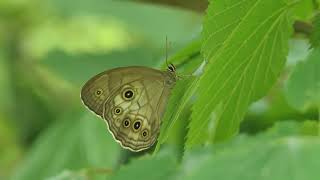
(132, 101)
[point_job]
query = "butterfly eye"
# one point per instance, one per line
(98, 92)
(126, 122)
(171, 68)
(145, 133)
(128, 94)
(136, 125)
(117, 111)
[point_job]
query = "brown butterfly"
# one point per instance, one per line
(132, 100)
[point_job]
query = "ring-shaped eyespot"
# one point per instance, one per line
(117, 110)
(145, 133)
(126, 122)
(137, 125)
(128, 94)
(98, 92)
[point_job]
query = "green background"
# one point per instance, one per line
(251, 110)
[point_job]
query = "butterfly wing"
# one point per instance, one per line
(132, 100)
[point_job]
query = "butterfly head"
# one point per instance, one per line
(171, 68)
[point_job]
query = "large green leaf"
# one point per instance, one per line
(304, 9)
(75, 142)
(246, 43)
(158, 167)
(278, 154)
(303, 86)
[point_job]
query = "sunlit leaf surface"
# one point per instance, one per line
(246, 43)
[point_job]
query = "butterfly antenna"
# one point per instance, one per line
(167, 51)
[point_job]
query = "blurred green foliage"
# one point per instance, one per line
(251, 110)
(303, 87)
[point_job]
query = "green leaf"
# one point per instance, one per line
(303, 86)
(5, 86)
(158, 167)
(90, 34)
(178, 106)
(304, 9)
(310, 128)
(77, 69)
(95, 26)
(100, 148)
(187, 61)
(315, 36)
(299, 49)
(264, 157)
(246, 43)
(293, 128)
(67, 175)
(75, 142)
(151, 22)
(10, 150)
